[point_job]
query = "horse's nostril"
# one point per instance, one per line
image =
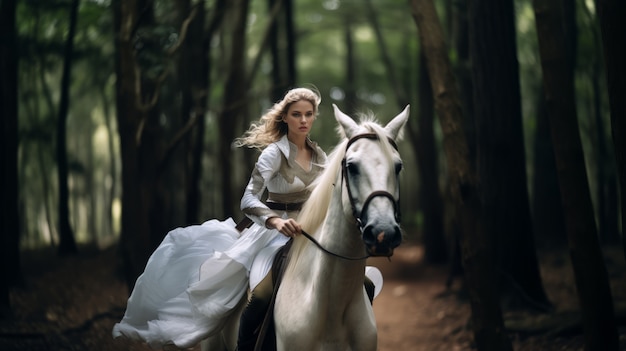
(386, 235)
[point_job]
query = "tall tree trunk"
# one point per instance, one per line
(500, 146)
(589, 270)
(9, 218)
(462, 70)
(477, 252)
(67, 244)
(193, 65)
(278, 87)
(423, 145)
(234, 100)
(611, 14)
(290, 37)
(429, 195)
(135, 239)
(549, 224)
(350, 99)
(109, 195)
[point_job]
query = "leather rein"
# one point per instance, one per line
(355, 212)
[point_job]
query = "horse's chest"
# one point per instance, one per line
(326, 328)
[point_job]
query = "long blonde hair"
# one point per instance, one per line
(270, 128)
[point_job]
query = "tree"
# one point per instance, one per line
(500, 146)
(9, 219)
(67, 243)
(234, 105)
(477, 252)
(430, 199)
(282, 47)
(611, 16)
(590, 273)
(423, 142)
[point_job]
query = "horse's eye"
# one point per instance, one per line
(399, 167)
(353, 169)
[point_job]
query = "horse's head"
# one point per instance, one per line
(370, 176)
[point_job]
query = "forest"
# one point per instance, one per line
(118, 119)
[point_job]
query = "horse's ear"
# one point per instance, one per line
(395, 126)
(348, 125)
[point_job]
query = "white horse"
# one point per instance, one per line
(351, 214)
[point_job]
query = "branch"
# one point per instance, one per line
(161, 79)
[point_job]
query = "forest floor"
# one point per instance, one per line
(72, 304)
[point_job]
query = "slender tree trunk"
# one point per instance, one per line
(278, 86)
(423, 145)
(109, 195)
(193, 66)
(9, 218)
(462, 70)
(501, 162)
(234, 101)
(429, 194)
(67, 243)
(135, 243)
(477, 253)
(290, 37)
(589, 270)
(548, 218)
(611, 14)
(350, 66)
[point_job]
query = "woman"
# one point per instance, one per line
(199, 273)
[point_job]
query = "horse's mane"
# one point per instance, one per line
(315, 208)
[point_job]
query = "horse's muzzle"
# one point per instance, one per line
(381, 240)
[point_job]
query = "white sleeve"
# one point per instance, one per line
(265, 169)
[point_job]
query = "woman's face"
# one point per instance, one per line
(299, 118)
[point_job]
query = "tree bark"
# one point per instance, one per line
(67, 243)
(194, 67)
(423, 146)
(477, 252)
(138, 169)
(429, 194)
(500, 158)
(290, 37)
(274, 44)
(9, 218)
(350, 99)
(611, 14)
(235, 92)
(548, 221)
(589, 270)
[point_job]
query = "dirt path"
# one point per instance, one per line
(72, 304)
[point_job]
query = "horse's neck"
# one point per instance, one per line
(340, 236)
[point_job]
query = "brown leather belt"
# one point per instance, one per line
(279, 206)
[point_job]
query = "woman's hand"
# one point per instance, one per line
(288, 227)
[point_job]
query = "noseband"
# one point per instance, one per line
(344, 173)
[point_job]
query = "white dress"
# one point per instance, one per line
(199, 273)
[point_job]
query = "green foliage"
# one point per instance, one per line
(321, 63)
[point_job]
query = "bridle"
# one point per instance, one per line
(383, 193)
(355, 213)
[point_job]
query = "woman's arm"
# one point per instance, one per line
(264, 170)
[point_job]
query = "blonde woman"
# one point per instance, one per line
(198, 274)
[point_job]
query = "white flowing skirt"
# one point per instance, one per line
(194, 279)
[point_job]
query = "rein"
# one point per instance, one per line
(355, 213)
(312, 239)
